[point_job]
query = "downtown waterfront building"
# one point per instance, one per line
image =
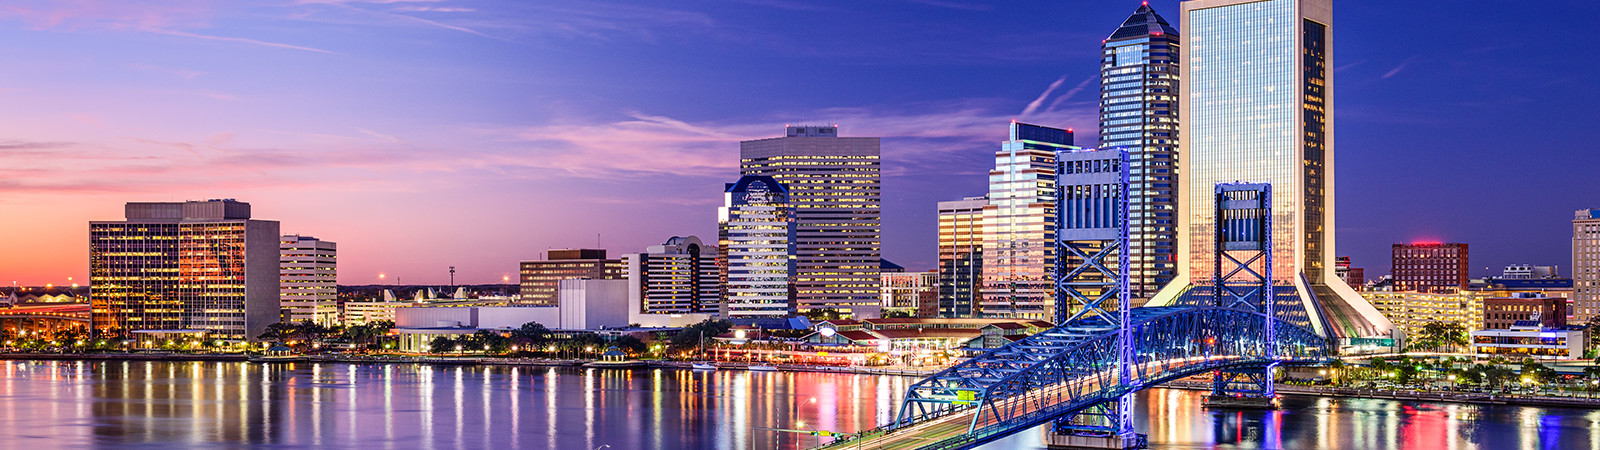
(1256, 102)
(960, 256)
(756, 229)
(1019, 225)
(833, 186)
(310, 279)
(196, 266)
(1585, 265)
(540, 278)
(679, 276)
(1139, 113)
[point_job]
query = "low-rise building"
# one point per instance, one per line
(1502, 312)
(1530, 339)
(922, 333)
(908, 292)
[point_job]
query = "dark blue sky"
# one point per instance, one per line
(420, 134)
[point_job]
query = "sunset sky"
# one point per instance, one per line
(424, 134)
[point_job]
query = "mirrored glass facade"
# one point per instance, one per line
(1019, 224)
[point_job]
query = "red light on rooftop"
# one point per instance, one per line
(1158, 33)
(1145, 3)
(1013, 120)
(1069, 130)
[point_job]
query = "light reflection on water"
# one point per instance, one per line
(160, 404)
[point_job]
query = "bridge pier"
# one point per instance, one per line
(1058, 441)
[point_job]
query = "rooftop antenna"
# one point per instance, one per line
(452, 276)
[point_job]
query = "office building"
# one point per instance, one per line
(1501, 313)
(1139, 112)
(906, 291)
(195, 267)
(310, 279)
(1019, 225)
(960, 256)
(1430, 267)
(539, 278)
(757, 228)
(1585, 265)
(680, 276)
(833, 187)
(1257, 107)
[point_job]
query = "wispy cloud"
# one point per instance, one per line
(172, 18)
(1037, 102)
(1398, 68)
(235, 39)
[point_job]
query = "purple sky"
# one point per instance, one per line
(424, 134)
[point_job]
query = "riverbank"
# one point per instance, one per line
(441, 360)
(1427, 396)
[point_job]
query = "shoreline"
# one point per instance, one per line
(440, 360)
(1319, 391)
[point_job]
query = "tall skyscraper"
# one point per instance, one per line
(757, 225)
(961, 256)
(833, 186)
(1139, 112)
(540, 278)
(1256, 103)
(1429, 267)
(190, 266)
(1019, 224)
(310, 279)
(676, 277)
(1585, 265)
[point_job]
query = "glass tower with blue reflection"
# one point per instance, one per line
(1139, 112)
(1256, 106)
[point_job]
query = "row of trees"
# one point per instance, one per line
(307, 334)
(532, 338)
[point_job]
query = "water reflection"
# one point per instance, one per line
(157, 404)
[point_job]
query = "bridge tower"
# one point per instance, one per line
(1092, 279)
(1242, 279)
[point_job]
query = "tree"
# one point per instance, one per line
(629, 344)
(690, 337)
(1437, 335)
(822, 314)
(442, 344)
(897, 315)
(532, 332)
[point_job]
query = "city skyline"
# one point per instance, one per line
(377, 175)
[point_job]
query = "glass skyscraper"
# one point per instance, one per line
(960, 256)
(757, 228)
(1139, 112)
(1256, 105)
(1019, 224)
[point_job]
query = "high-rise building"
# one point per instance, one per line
(833, 187)
(540, 278)
(190, 266)
(310, 279)
(1429, 267)
(676, 277)
(757, 229)
(960, 256)
(1019, 224)
(1139, 112)
(1257, 107)
(1585, 265)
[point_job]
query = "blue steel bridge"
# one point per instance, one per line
(1080, 375)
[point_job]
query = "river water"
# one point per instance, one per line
(53, 404)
